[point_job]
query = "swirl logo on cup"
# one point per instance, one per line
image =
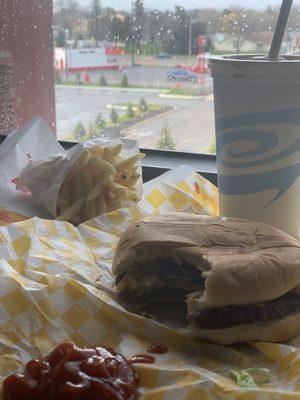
(258, 152)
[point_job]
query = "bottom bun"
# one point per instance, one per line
(277, 331)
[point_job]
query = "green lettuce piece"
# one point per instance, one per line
(249, 378)
(243, 378)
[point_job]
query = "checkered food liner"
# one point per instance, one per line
(56, 286)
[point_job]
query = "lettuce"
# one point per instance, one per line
(243, 378)
(249, 378)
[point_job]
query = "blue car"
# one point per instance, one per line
(181, 75)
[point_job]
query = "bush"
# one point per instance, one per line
(100, 121)
(130, 111)
(102, 81)
(124, 82)
(143, 106)
(166, 141)
(78, 78)
(79, 131)
(93, 132)
(114, 116)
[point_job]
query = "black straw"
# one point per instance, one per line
(280, 29)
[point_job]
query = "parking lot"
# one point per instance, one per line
(154, 77)
(190, 120)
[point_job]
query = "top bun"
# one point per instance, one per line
(245, 262)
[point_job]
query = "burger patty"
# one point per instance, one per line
(156, 295)
(163, 268)
(164, 280)
(226, 317)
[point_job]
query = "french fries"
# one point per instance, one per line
(72, 211)
(101, 180)
(99, 187)
(129, 162)
(79, 165)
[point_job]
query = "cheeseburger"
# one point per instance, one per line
(237, 280)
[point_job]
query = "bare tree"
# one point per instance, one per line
(95, 13)
(66, 13)
(238, 23)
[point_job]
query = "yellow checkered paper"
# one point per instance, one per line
(56, 286)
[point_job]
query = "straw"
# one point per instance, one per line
(280, 29)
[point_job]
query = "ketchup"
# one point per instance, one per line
(142, 359)
(74, 373)
(157, 348)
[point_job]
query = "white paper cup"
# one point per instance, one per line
(257, 113)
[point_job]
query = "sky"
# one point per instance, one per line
(165, 4)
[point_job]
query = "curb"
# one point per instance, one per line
(177, 96)
(150, 119)
(108, 88)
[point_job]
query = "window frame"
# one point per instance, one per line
(156, 162)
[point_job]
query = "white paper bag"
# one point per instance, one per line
(32, 143)
(44, 178)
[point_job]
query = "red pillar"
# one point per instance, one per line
(26, 34)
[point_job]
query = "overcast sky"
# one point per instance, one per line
(165, 4)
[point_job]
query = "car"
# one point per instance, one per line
(181, 75)
(164, 56)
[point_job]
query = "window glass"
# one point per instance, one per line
(127, 68)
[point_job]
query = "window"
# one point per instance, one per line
(136, 69)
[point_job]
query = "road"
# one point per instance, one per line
(143, 75)
(83, 104)
(191, 124)
(191, 121)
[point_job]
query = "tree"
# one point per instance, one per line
(78, 78)
(181, 30)
(66, 13)
(211, 18)
(67, 4)
(79, 131)
(138, 22)
(60, 39)
(95, 12)
(102, 30)
(130, 111)
(79, 37)
(102, 81)
(237, 24)
(166, 141)
(136, 28)
(113, 116)
(93, 132)
(125, 30)
(143, 106)
(100, 121)
(124, 82)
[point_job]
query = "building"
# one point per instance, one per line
(85, 59)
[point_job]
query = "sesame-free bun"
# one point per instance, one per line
(244, 262)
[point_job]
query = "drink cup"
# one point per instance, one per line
(257, 117)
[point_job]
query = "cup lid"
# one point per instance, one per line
(255, 66)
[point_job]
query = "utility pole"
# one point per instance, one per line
(133, 20)
(67, 54)
(190, 39)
